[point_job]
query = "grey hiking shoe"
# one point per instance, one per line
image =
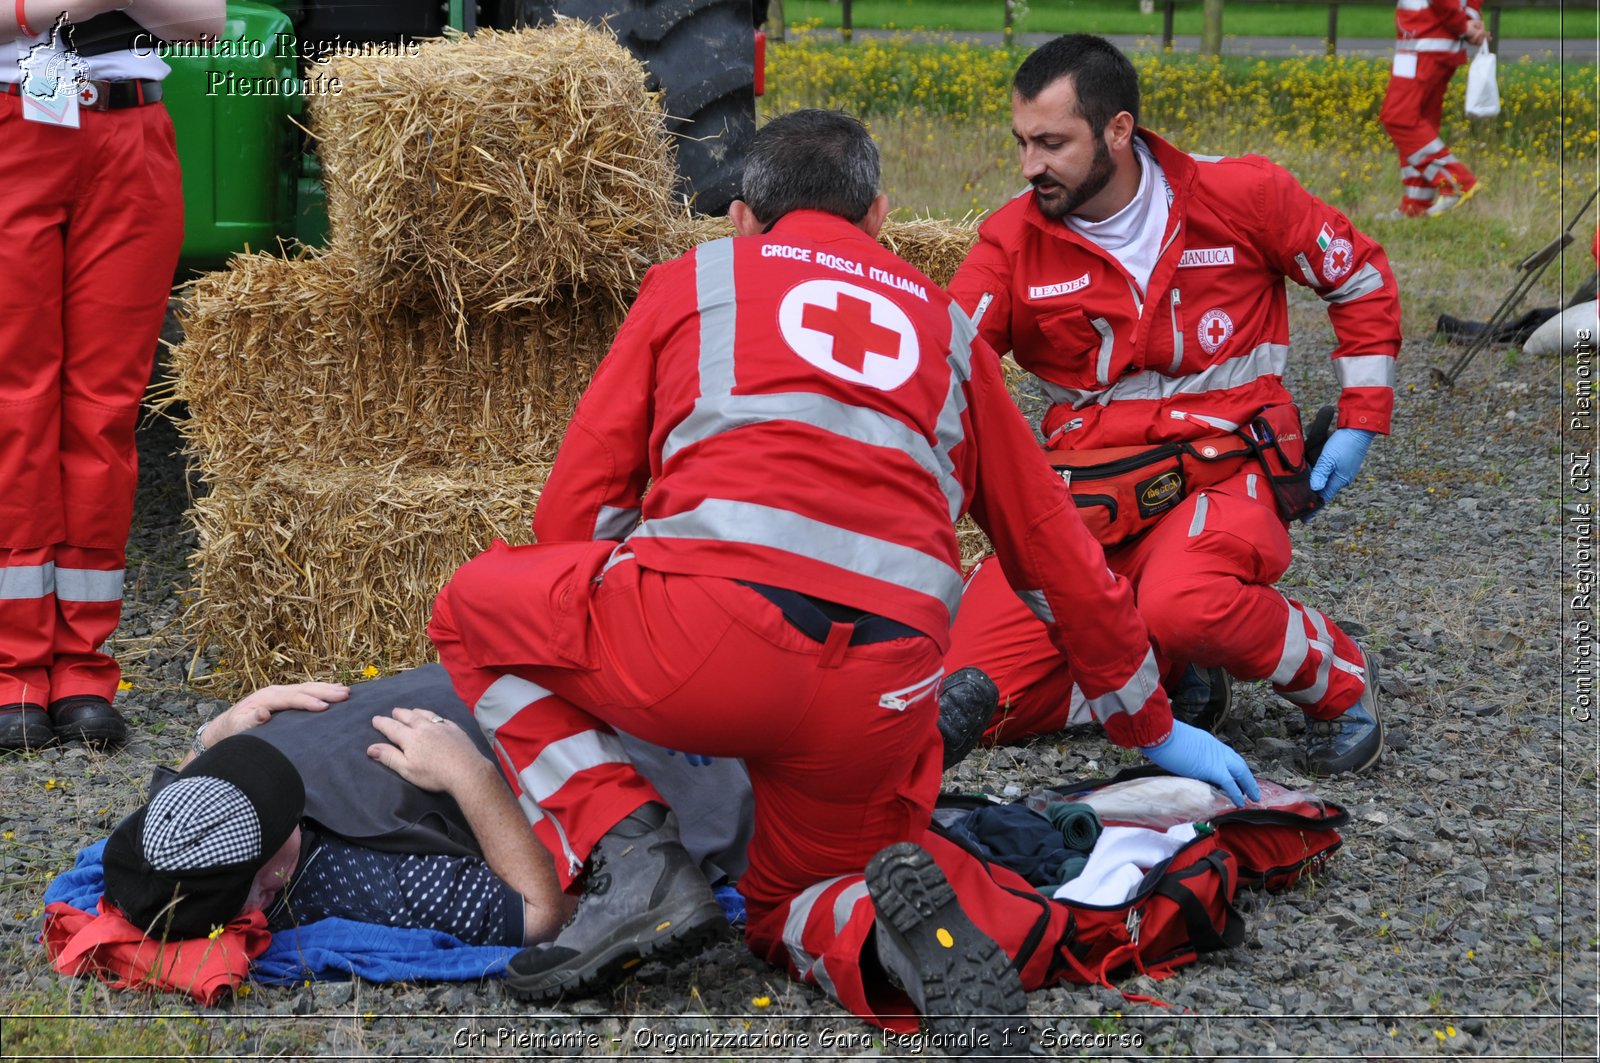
(968, 994)
(1204, 698)
(644, 899)
(1353, 740)
(968, 700)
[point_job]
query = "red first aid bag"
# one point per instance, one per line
(1183, 906)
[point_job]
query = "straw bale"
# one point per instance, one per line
(284, 361)
(313, 570)
(497, 171)
(935, 246)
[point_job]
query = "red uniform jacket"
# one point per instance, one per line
(1205, 349)
(1433, 26)
(810, 412)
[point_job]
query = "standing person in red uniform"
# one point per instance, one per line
(810, 415)
(1144, 289)
(91, 222)
(1432, 39)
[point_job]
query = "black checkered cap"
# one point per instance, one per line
(186, 861)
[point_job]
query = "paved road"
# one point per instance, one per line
(1572, 51)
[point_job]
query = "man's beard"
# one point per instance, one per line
(1100, 173)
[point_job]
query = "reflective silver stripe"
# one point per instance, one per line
(88, 585)
(1102, 365)
(27, 581)
(615, 522)
(1412, 5)
(947, 428)
(1365, 371)
(1319, 687)
(1250, 484)
(1037, 605)
(1269, 359)
(1295, 647)
(1366, 280)
(1409, 171)
(731, 521)
(559, 761)
(794, 924)
(1197, 523)
(1206, 158)
(1305, 269)
(1132, 695)
(714, 296)
(1413, 192)
(505, 697)
(844, 905)
(1421, 155)
(1430, 44)
(716, 414)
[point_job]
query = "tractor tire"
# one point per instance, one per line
(701, 55)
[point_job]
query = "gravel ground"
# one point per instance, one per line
(1460, 917)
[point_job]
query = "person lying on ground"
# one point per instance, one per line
(316, 800)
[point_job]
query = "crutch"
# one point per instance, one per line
(1529, 271)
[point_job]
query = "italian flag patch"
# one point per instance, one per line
(1325, 237)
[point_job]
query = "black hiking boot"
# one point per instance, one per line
(644, 898)
(1204, 698)
(1351, 741)
(968, 700)
(968, 994)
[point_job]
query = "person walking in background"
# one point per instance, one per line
(1144, 288)
(1432, 39)
(91, 223)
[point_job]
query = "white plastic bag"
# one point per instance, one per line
(1483, 87)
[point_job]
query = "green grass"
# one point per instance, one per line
(1122, 16)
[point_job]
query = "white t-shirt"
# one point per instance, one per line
(1133, 234)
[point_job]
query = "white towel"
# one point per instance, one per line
(1119, 862)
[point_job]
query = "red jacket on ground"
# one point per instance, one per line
(1206, 349)
(801, 459)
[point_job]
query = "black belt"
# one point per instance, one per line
(108, 95)
(815, 617)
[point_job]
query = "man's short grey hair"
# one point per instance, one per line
(811, 160)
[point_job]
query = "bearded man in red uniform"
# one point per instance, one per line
(1144, 289)
(810, 415)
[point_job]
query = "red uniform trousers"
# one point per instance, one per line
(91, 223)
(1412, 112)
(840, 741)
(1203, 581)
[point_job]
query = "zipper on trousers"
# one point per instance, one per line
(905, 697)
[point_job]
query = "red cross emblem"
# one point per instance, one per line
(1338, 260)
(850, 332)
(1215, 328)
(854, 334)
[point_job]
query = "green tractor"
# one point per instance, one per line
(250, 176)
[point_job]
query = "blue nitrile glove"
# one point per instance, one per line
(694, 759)
(1340, 461)
(1196, 754)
